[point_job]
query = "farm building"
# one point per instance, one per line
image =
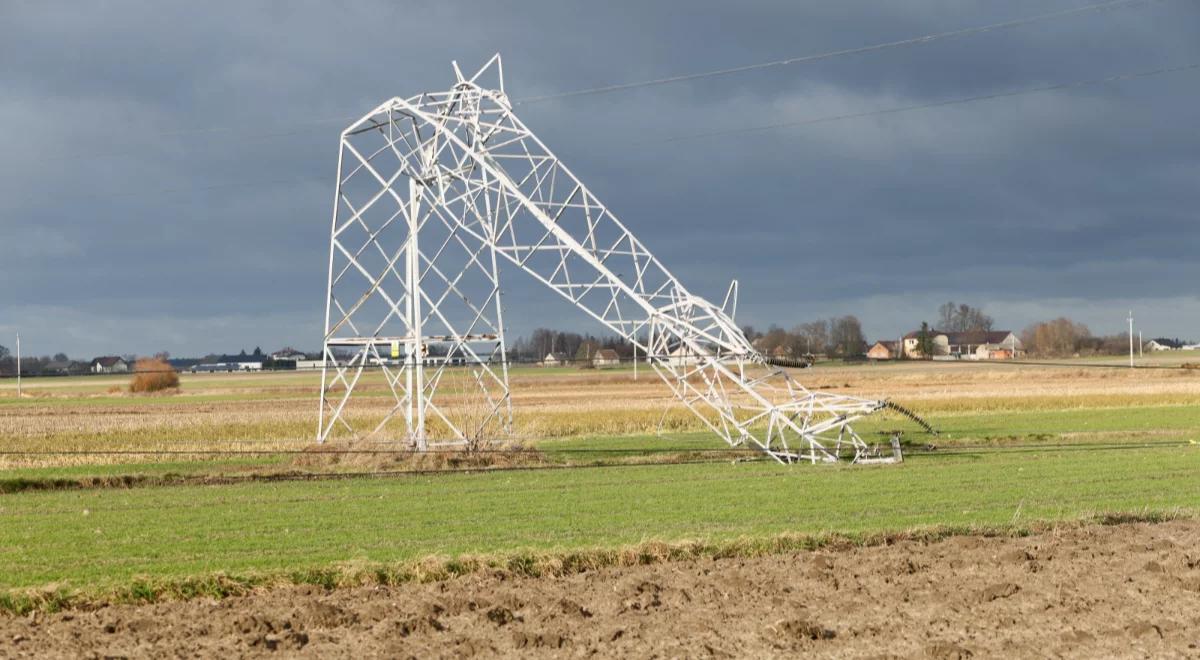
(228, 363)
(60, 367)
(884, 350)
(970, 345)
(211, 367)
(109, 364)
(454, 360)
(1163, 344)
(605, 357)
(554, 360)
(683, 356)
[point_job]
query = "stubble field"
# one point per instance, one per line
(160, 504)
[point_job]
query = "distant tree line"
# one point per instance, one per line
(33, 365)
(1062, 337)
(841, 336)
(571, 345)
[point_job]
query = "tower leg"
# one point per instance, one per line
(413, 342)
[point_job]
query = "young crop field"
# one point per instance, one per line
(216, 491)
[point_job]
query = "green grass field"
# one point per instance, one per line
(1011, 453)
(102, 539)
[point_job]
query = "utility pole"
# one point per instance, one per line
(1140, 345)
(18, 365)
(635, 358)
(1131, 338)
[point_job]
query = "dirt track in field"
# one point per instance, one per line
(1100, 591)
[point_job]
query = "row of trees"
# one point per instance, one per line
(841, 336)
(31, 365)
(1063, 337)
(572, 345)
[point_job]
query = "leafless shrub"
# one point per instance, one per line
(153, 375)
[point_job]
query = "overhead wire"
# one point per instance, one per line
(1113, 4)
(294, 127)
(912, 41)
(934, 104)
(747, 129)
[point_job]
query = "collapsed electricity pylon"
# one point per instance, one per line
(432, 191)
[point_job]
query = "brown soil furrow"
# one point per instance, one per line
(1128, 590)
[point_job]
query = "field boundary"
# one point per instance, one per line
(17, 485)
(526, 564)
(545, 461)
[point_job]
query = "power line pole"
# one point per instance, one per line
(18, 365)
(1131, 338)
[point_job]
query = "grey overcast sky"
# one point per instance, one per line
(167, 171)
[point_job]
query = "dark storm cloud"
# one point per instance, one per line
(167, 172)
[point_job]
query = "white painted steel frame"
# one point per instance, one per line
(466, 160)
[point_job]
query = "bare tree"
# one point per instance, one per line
(774, 338)
(963, 318)
(750, 332)
(846, 336)
(1060, 337)
(811, 337)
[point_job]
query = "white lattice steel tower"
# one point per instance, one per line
(434, 190)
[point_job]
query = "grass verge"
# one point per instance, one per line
(102, 539)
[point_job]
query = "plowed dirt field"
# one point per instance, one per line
(1130, 590)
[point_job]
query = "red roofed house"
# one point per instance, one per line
(970, 345)
(884, 350)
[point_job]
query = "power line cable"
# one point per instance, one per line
(935, 104)
(929, 38)
(751, 129)
(298, 126)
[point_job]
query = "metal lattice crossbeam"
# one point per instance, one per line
(434, 190)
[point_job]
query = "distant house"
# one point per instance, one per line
(453, 360)
(587, 351)
(288, 354)
(60, 367)
(228, 363)
(1163, 344)
(940, 344)
(554, 360)
(109, 364)
(983, 345)
(970, 345)
(683, 356)
(884, 350)
(605, 357)
(781, 351)
(183, 364)
(230, 367)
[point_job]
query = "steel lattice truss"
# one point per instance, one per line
(432, 191)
